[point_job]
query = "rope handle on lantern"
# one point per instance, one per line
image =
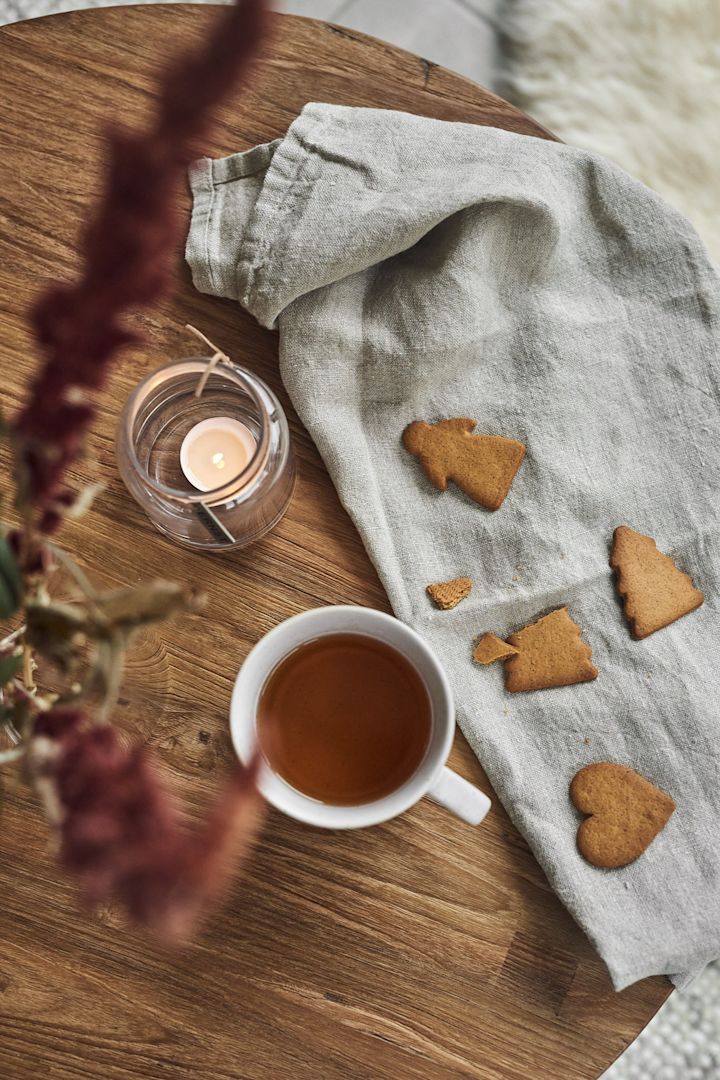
(218, 355)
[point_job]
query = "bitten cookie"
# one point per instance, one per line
(547, 653)
(483, 466)
(626, 812)
(654, 592)
(448, 594)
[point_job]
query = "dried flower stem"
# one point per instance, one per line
(28, 665)
(121, 832)
(6, 756)
(128, 250)
(86, 587)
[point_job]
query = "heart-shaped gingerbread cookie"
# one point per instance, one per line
(626, 812)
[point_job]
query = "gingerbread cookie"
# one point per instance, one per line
(654, 592)
(483, 466)
(545, 654)
(448, 594)
(491, 648)
(625, 813)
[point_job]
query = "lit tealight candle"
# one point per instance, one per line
(215, 451)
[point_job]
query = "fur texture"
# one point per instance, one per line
(637, 81)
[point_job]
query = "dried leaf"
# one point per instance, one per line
(9, 667)
(106, 672)
(11, 584)
(127, 609)
(57, 631)
(60, 632)
(83, 501)
(13, 754)
(6, 714)
(23, 708)
(9, 644)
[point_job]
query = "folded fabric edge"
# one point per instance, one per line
(196, 254)
(681, 982)
(209, 178)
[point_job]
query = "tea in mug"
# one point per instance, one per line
(345, 719)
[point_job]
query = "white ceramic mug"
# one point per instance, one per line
(432, 777)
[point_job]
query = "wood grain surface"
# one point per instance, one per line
(419, 949)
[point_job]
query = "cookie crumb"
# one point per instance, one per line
(491, 648)
(448, 594)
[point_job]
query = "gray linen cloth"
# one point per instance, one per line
(418, 269)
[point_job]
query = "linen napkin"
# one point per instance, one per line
(418, 269)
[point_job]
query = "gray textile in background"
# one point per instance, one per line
(418, 270)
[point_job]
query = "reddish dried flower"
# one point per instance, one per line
(122, 835)
(127, 251)
(39, 561)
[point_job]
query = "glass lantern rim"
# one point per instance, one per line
(240, 483)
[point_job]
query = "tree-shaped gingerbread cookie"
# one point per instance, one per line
(653, 590)
(483, 466)
(547, 653)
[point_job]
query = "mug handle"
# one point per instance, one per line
(460, 797)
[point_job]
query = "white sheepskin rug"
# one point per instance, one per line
(636, 80)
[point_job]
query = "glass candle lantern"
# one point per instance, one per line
(206, 453)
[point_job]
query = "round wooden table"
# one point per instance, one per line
(419, 949)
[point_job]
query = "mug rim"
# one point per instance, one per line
(306, 809)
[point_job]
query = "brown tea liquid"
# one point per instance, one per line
(344, 719)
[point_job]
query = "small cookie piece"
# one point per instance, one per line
(448, 594)
(653, 590)
(626, 812)
(483, 466)
(545, 654)
(491, 648)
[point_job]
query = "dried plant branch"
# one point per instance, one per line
(14, 754)
(121, 834)
(28, 675)
(78, 575)
(124, 610)
(128, 250)
(111, 657)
